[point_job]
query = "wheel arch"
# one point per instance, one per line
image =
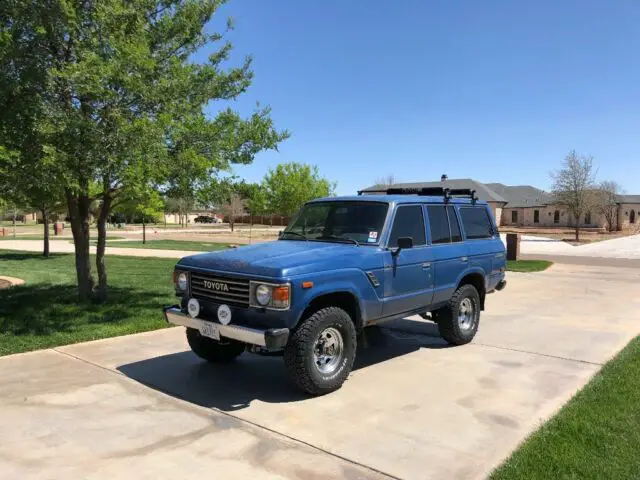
(477, 280)
(344, 299)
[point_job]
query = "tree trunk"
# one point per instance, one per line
(45, 221)
(144, 231)
(231, 222)
(577, 228)
(14, 223)
(79, 213)
(102, 245)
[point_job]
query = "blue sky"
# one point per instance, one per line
(495, 90)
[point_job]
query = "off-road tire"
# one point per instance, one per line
(222, 351)
(299, 358)
(447, 317)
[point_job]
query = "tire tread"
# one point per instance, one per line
(295, 353)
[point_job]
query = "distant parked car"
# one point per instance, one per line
(204, 219)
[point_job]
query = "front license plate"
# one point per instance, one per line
(210, 330)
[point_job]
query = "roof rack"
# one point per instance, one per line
(447, 193)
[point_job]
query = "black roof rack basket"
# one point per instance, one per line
(447, 193)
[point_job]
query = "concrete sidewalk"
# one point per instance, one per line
(143, 406)
(65, 246)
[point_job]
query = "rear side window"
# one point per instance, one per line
(476, 222)
(438, 224)
(408, 222)
(453, 223)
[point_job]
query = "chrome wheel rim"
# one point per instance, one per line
(328, 350)
(466, 314)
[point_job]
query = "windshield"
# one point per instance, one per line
(352, 222)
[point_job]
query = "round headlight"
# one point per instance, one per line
(263, 295)
(182, 281)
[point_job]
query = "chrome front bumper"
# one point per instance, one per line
(272, 339)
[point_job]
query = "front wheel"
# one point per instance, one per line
(320, 353)
(215, 351)
(458, 322)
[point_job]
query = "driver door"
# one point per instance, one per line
(408, 276)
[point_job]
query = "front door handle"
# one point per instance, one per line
(426, 265)
(464, 259)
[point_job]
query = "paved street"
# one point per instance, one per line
(143, 406)
(531, 246)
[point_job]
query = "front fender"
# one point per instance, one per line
(351, 280)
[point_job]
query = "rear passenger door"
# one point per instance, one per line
(450, 256)
(407, 276)
(484, 250)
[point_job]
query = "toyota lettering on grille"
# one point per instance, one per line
(217, 286)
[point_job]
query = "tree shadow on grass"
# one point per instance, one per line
(10, 256)
(251, 377)
(48, 309)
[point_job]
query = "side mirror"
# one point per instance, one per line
(403, 242)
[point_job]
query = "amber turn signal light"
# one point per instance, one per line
(280, 294)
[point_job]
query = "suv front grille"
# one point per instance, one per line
(221, 289)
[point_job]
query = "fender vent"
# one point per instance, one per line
(373, 279)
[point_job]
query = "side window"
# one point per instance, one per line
(438, 224)
(453, 223)
(408, 222)
(477, 223)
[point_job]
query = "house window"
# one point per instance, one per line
(587, 219)
(536, 216)
(556, 216)
(632, 217)
(514, 216)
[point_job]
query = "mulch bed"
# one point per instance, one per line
(4, 284)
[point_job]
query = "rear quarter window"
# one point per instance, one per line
(476, 222)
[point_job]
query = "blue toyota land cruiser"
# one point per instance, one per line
(341, 265)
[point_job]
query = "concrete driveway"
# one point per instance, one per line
(143, 406)
(622, 247)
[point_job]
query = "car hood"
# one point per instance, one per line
(285, 258)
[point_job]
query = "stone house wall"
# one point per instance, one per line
(525, 217)
(628, 216)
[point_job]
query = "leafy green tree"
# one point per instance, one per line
(113, 88)
(33, 187)
(290, 185)
(254, 196)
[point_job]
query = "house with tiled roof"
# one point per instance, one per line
(528, 206)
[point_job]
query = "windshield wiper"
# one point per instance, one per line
(334, 237)
(295, 233)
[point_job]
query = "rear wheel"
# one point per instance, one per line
(320, 353)
(458, 322)
(215, 351)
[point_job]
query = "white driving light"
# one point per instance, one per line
(193, 307)
(263, 294)
(182, 281)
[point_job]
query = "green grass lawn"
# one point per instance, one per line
(45, 313)
(170, 245)
(596, 435)
(528, 265)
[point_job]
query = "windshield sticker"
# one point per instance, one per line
(373, 237)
